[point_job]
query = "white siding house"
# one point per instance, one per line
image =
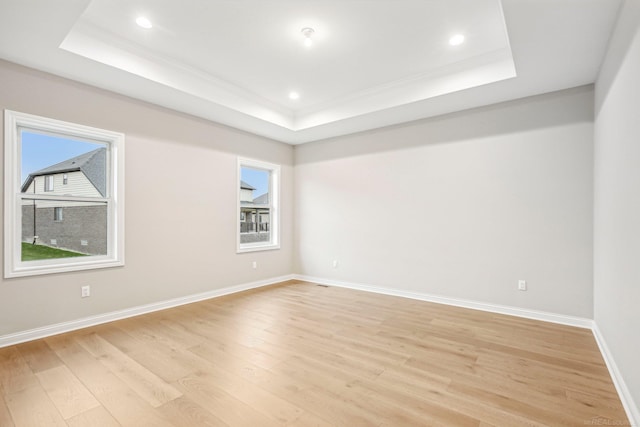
(73, 183)
(246, 192)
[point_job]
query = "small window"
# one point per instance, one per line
(258, 207)
(48, 183)
(86, 217)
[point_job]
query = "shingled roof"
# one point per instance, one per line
(92, 164)
(261, 200)
(246, 186)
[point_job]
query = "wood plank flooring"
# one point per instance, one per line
(299, 354)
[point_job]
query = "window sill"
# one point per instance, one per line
(37, 268)
(256, 248)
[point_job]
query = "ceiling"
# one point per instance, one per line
(372, 63)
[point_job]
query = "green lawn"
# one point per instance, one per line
(34, 252)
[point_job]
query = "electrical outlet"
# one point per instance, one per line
(335, 263)
(85, 291)
(255, 264)
(522, 285)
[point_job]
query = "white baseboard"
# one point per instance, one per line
(580, 322)
(58, 328)
(633, 413)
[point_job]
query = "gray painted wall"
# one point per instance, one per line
(461, 206)
(617, 199)
(180, 205)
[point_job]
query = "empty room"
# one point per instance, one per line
(320, 213)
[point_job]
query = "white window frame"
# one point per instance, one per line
(14, 122)
(274, 205)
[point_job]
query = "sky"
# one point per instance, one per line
(258, 179)
(40, 151)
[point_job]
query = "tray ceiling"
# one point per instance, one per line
(371, 63)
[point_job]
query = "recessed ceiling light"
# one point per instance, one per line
(144, 22)
(294, 95)
(456, 40)
(307, 32)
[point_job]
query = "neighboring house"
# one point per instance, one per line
(246, 192)
(254, 215)
(77, 226)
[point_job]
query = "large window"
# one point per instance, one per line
(64, 201)
(258, 209)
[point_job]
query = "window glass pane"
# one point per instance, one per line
(57, 214)
(255, 217)
(48, 183)
(81, 231)
(255, 185)
(61, 166)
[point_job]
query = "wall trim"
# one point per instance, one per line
(72, 325)
(579, 322)
(633, 413)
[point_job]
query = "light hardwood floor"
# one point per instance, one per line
(300, 354)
